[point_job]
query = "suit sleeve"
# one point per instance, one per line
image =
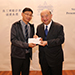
(15, 38)
(59, 40)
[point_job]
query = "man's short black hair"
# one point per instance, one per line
(27, 9)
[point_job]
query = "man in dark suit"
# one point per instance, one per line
(21, 50)
(50, 49)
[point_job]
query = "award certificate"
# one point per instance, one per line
(34, 40)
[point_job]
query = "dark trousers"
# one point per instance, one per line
(48, 70)
(20, 65)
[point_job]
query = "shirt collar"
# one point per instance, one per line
(23, 24)
(48, 25)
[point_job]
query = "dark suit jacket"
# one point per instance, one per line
(18, 45)
(53, 51)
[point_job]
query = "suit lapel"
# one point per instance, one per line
(50, 31)
(43, 32)
(31, 31)
(21, 32)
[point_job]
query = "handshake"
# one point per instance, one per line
(37, 40)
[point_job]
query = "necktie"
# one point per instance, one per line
(26, 32)
(46, 32)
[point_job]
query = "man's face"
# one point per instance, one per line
(46, 17)
(27, 16)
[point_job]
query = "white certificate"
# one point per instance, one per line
(34, 40)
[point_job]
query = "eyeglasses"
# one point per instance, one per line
(28, 14)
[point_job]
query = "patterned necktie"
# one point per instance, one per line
(46, 32)
(26, 32)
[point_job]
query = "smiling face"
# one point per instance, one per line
(46, 17)
(26, 16)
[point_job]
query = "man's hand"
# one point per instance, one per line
(32, 45)
(35, 36)
(43, 43)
